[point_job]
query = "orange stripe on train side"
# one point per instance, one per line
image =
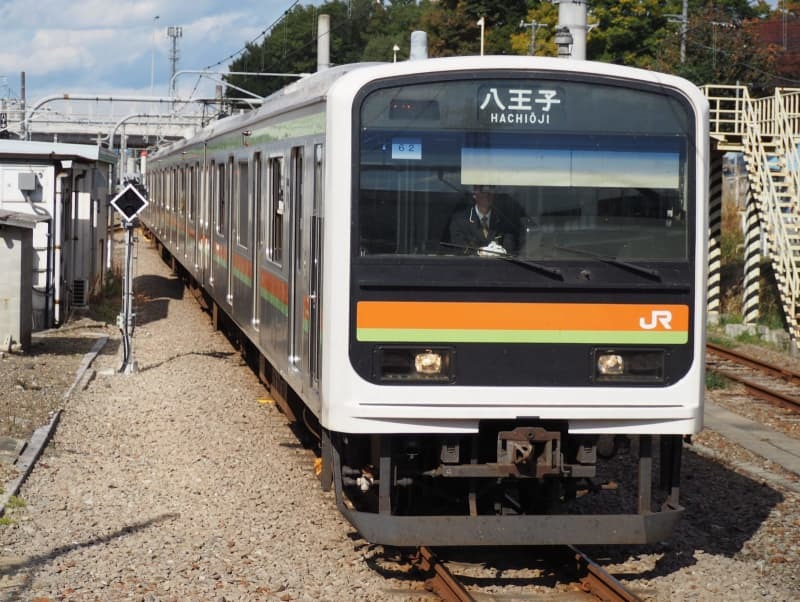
(521, 316)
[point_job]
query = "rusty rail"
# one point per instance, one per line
(599, 583)
(760, 390)
(443, 583)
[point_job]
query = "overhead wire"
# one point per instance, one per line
(247, 45)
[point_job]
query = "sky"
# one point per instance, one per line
(107, 47)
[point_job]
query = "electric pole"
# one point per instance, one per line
(534, 25)
(174, 33)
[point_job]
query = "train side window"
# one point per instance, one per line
(194, 171)
(276, 201)
(211, 179)
(220, 194)
(172, 178)
(182, 191)
(243, 205)
(190, 192)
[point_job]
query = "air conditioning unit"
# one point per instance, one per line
(80, 293)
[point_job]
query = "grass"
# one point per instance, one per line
(16, 502)
(106, 306)
(716, 381)
(722, 341)
(13, 503)
(751, 339)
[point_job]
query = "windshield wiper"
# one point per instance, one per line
(646, 272)
(532, 265)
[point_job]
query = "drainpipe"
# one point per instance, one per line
(55, 246)
(76, 210)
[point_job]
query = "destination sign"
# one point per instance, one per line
(519, 105)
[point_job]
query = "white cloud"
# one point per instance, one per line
(102, 47)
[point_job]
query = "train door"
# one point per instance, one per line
(220, 252)
(211, 208)
(297, 284)
(257, 235)
(315, 272)
(191, 218)
(273, 308)
(180, 239)
(227, 233)
(242, 244)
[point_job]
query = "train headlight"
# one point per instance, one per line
(409, 364)
(428, 362)
(610, 363)
(630, 365)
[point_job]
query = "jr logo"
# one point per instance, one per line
(657, 316)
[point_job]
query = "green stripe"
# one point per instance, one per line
(606, 337)
(275, 302)
(308, 125)
(243, 277)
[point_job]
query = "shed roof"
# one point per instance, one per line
(20, 220)
(15, 149)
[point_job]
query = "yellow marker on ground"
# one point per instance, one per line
(265, 401)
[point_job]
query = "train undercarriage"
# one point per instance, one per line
(510, 484)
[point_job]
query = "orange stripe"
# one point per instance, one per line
(516, 316)
(242, 263)
(275, 286)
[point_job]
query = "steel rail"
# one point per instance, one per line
(443, 583)
(757, 389)
(599, 583)
(789, 376)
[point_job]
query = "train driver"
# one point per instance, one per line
(483, 228)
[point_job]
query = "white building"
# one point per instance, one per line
(66, 186)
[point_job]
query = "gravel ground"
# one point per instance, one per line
(183, 482)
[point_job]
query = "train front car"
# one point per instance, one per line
(477, 372)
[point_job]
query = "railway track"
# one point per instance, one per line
(762, 379)
(587, 577)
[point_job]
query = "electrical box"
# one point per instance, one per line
(27, 181)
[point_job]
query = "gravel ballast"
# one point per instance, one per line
(183, 481)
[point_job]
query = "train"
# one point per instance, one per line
(471, 379)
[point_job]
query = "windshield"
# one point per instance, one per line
(534, 169)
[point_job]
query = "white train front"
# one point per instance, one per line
(464, 371)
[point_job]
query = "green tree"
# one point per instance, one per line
(546, 15)
(453, 30)
(290, 46)
(721, 49)
(391, 24)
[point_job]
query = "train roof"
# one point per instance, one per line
(315, 87)
(304, 91)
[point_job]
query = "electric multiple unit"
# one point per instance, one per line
(468, 390)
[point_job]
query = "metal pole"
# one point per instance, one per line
(153, 54)
(125, 319)
(684, 29)
(24, 128)
(534, 25)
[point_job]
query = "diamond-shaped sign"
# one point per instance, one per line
(129, 202)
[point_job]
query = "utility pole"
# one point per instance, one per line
(153, 54)
(714, 25)
(174, 33)
(534, 25)
(683, 19)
